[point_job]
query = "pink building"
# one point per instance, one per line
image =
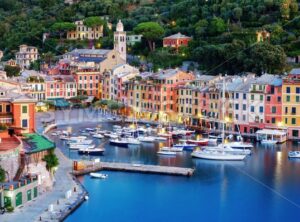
(60, 87)
(88, 81)
(273, 104)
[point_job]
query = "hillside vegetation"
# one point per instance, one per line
(223, 31)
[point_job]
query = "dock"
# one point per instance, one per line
(129, 167)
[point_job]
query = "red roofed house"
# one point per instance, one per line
(176, 40)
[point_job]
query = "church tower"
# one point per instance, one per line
(120, 40)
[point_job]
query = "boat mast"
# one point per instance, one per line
(223, 113)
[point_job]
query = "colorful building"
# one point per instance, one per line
(88, 81)
(17, 110)
(291, 103)
(83, 32)
(176, 40)
(26, 55)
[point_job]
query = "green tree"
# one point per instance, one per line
(62, 27)
(12, 70)
(2, 175)
(264, 57)
(201, 27)
(216, 26)
(151, 31)
(51, 161)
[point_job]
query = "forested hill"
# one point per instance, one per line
(222, 30)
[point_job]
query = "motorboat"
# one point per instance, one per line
(169, 153)
(160, 138)
(268, 141)
(98, 136)
(212, 141)
(133, 141)
(94, 151)
(168, 135)
(146, 139)
(294, 154)
(117, 127)
(228, 149)
(240, 145)
(81, 146)
(89, 129)
(200, 142)
(185, 146)
(217, 155)
(119, 142)
(173, 149)
(99, 175)
(76, 139)
(213, 137)
(83, 142)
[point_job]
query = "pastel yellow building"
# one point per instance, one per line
(291, 105)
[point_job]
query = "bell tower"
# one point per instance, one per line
(120, 40)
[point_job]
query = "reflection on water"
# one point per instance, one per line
(216, 188)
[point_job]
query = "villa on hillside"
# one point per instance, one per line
(176, 40)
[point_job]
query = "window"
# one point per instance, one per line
(24, 123)
(273, 109)
(268, 98)
(8, 108)
(236, 106)
(236, 95)
(293, 110)
(261, 97)
(288, 89)
(24, 109)
(288, 98)
(244, 96)
(279, 99)
(273, 120)
(297, 99)
(244, 106)
(298, 90)
(252, 97)
(293, 121)
(261, 109)
(252, 108)
(236, 116)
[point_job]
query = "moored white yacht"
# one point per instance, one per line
(227, 149)
(146, 139)
(98, 136)
(119, 142)
(173, 149)
(217, 155)
(294, 154)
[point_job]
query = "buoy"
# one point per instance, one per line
(86, 197)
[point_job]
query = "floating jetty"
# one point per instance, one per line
(88, 167)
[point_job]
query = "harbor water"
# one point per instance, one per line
(264, 187)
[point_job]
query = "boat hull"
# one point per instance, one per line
(203, 155)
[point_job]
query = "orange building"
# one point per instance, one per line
(17, 111)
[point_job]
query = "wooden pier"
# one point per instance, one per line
(128, 167)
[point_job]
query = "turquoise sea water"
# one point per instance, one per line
(264, 187)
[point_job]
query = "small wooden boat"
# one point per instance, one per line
(99, 175)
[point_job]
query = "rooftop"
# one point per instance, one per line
(9, 144)
(36, 143)
(295, 71)
(177, 36)
(89, 51)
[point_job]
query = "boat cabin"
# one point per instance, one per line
(270, 134)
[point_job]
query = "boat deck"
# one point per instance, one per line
(139, 168)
